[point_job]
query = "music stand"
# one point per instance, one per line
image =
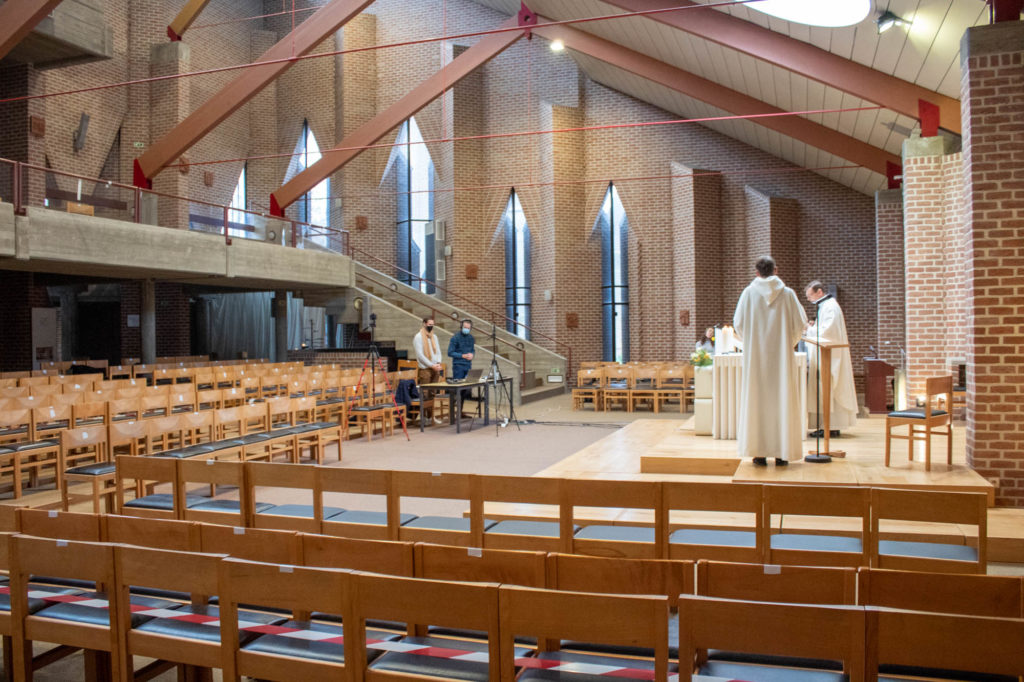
(820, 455)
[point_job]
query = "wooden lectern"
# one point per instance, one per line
(877, 381)
(825, 391)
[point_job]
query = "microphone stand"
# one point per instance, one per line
(500, 388)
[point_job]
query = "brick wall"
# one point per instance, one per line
(173, 320)
(21, 293)
(991, 103)
(890, 273)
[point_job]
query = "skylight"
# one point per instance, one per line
(828, 13)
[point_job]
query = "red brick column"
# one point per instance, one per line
(169, 102)
(697, 254)
(992, 105)
(889, 264)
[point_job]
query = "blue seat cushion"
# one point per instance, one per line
(370, 518)
(617, 533)
(453, 523)
(232, 506)
(187, 452)
(768, 673)
(917, 413)
(91, 608)
(721, 538)
(34, 445)
(227, 444)
(816, 543)
(163, 501)
(6, 451)
(936, 674)
(251, 438)
(202, 622)
(313, 640)
(928, 550)
(301, 511)
(781, 661)
(370, 408)
(36, 600)
(95, 469)
(442, 664)
(543, 529)
(584, 667)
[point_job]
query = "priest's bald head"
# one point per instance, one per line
(765, 266)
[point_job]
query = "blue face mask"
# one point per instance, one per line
(465, 331)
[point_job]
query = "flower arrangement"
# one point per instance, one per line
(701, 358)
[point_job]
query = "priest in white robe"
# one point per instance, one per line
(830, 326)
(770, 321)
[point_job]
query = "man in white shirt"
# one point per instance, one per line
(769, 320)
(428, 359)
(830, 326)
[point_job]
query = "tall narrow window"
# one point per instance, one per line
(414, 173)
(313, 205)
(237, 218)
(517, 267)
(614, 230)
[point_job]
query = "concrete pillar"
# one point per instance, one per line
(147, 321)
(280, 326)
(991, 97)
(169, 104)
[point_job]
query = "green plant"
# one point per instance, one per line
(701, 358)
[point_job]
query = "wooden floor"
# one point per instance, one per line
(672, 446)
(649, 449)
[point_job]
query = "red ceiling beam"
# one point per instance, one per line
(803, 58)
(18, 18)
(691, 85)
(235, 94)
(488, 47)
(192, 9)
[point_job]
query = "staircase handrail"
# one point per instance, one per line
(494, 316)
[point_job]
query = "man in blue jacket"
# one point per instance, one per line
(460, 350)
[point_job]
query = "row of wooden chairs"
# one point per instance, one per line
(639, 519)
(68, 438)
(269, 583)
(632, 386)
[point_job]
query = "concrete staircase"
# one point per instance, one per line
(400, 308)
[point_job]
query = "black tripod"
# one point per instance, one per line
(373, 360)
(500, 389)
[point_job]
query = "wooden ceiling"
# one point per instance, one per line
(926, 53)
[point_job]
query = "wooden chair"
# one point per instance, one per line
(177, 637)
(169, 534)
(180, 400)
(87, 443)
(210, 399)
(21, 454)
(995, 596)
(611, 620)
(464, 606)
(713, 534)
(929, 506)
(166, 433)
(851, 548)
(145, 474)
(459, 530)
(506, 566)
(923, 422)
(674, 383)
(89, 413)
(589, 382)
(253, 544)
(767, 631)
(298, 478)
(538, 496)
(620, 576)
(943, 645)
(618, 384)
(377, 556)
(789, 584)
(322, 652)
(123, 409)
(76, 621)
(645, 387)
(49, 420)
(212, 474)
(367, 524)
(607, 537)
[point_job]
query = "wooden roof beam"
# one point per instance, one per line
(18, 18)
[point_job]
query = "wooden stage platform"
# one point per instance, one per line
(669, 450)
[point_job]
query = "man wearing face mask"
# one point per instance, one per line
(428, 353)
(461, 351)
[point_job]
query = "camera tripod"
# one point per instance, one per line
(501, 389)
(374, 361)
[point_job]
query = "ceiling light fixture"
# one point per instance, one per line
(557, 46)
(826, 13)
(887, 20)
